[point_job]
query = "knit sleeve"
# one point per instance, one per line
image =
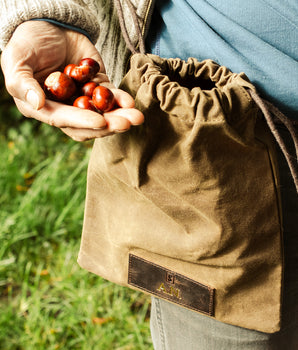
(72, 12)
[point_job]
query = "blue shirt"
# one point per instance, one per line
(258, 37)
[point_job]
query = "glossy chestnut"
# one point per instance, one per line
(59, 86)
(103, 99)
(69, 68)
(84, 102)
(84, 71)
(88, 88)
(81, 74)
(91, 63)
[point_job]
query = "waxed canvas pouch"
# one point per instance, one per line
(186, 206)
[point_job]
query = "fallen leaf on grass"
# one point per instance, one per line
(21, 188)
(44, 272)
(101, 320)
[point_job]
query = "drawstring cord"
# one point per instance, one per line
(126, 37)
(267, 108)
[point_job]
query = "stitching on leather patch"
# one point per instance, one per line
(166, 284)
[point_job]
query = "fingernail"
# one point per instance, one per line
(120, 131)
(32, 98)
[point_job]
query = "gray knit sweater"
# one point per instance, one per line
(97, 17)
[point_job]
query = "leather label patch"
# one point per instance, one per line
(167, 284)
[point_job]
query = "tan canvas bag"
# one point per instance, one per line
(186, 206)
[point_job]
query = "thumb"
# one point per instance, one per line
(33, 94)
(20, 82)
(23, 86)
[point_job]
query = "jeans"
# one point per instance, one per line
(176, 328)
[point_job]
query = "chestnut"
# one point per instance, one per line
(91, 63)
(69, 68)
(84, 102)
(81, 74)
(88, 88)
(84, 71)
(103, 99)
(59, 86)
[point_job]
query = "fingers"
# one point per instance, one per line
(123, 99)
(131, 115)
(118, 121)
(60, 115)
(79, 124)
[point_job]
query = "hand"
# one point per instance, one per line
(38, 48)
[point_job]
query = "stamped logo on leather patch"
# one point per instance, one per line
(170, 285)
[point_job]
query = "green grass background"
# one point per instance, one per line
(46, 300)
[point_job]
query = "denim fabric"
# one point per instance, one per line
(173, 328)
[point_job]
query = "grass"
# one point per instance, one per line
(46, 300)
